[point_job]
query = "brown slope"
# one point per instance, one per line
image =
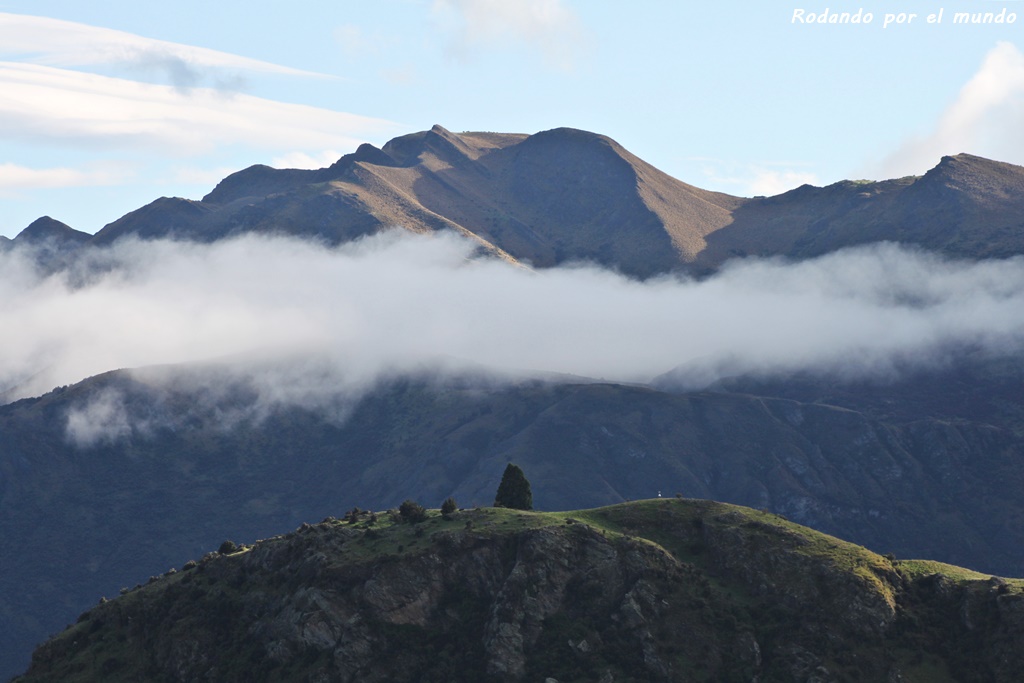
(557, 196)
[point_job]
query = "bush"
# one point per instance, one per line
(449, 506)
(412, 512)
(227, 547)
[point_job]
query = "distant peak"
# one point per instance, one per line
(439, 141)
(968, 171)
(965, 160)
(46, 228)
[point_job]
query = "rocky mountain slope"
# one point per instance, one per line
(568, 195)
(181, 468)
(660, 590)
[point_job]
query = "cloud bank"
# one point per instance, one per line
(396, 302)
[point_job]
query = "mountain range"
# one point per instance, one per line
(927, 464)
(567, 195)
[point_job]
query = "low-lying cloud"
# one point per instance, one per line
(397, 302)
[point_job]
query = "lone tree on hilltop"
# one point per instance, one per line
(514, 490)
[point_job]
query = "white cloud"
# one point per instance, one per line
(548, 26)
(44, 102)
(103, 419)
(14, 177)
(396, 302)
(307, 161)
(770, 182)
(54, 42)
(984, 119)
(753, 179)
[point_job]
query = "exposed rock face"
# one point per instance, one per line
(727, 595)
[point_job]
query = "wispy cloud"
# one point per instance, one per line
(771, 182)
(756, 178)
(547, 26)
(14, 177)
(984, 119)
(53, 42)
(43, 102)
(307, 161)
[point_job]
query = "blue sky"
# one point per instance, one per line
(106, 106)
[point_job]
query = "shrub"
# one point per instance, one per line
(227, 547)
(412, 512)
(449, 506)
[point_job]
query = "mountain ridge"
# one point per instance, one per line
(565, 195)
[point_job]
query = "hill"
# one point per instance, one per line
(659, 590)
(181, 466)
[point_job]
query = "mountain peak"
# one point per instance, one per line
(970, 173)
(49, 229)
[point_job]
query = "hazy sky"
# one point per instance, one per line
(105, 106)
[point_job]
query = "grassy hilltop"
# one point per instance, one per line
(655, 590)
